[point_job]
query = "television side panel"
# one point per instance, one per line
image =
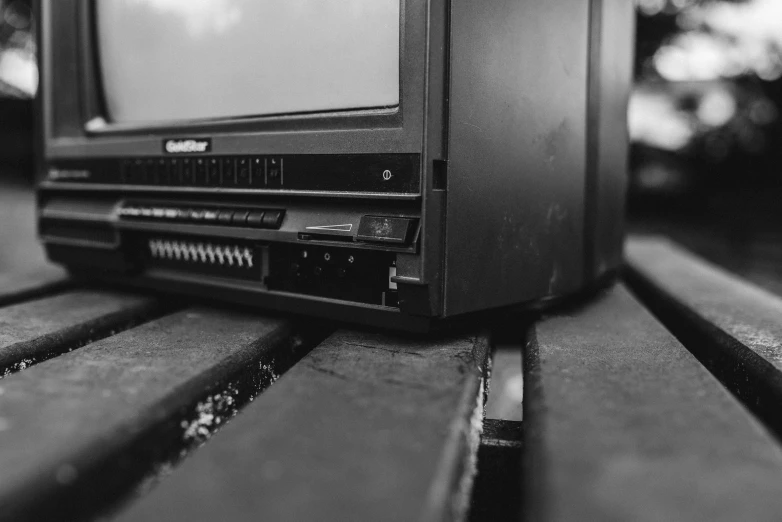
(517, 151)
(59, 64)
(614, 25)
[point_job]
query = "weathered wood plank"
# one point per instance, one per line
(733, 327)
(621, 422)
(37, 330)
(79, 428)
(18, 286)
(365, 427)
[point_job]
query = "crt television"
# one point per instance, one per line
(391, 162)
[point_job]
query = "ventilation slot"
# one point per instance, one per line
(440, 175)
(226, 259)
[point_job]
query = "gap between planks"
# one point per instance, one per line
(82, 429)
(732, 326)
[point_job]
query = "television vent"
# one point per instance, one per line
(205, 256)
(206, 253)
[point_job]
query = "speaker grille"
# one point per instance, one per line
(227, 258)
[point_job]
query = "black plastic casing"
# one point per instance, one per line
(507, 152)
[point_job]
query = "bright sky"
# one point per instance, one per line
(730, 39)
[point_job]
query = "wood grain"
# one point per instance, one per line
(20, 285)
(365, 427)
(732, 326)
(74, 427)
(37, 330)
(621, 422)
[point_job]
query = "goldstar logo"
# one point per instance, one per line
(187, 145)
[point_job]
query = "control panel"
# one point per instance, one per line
(258, 245)
(236, 217)
(337, 273)
(369, 173)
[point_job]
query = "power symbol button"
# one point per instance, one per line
(386, 175)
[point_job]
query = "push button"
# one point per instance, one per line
(274, 172)
(243, 172)
(272, 219)
(240, 218)
(257, 172)
(197, 214)
(173, 171)
(150, 171)
(188, 172)
(135, 174)
(255, 219)
(213, 172)
(200, 171)
(229, 172)
(125, 171)
(381, 229)
(184, 214)
(210, 216)
(130, 211)
(161, 172)
(225, 217)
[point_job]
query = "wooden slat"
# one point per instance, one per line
(76, 428)
(36, 330)
(18, 286)
(733, 327)
(621, 422)
(365, 427)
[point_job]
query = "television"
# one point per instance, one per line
(399, 163)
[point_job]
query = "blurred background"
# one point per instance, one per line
(705, 120)
(18, 85)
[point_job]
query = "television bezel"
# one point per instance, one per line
(397, 130)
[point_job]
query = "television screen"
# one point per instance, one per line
(169, 60)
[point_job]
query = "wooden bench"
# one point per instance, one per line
(655, 400)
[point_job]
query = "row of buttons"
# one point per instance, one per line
(256, 218)
(246, 171)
